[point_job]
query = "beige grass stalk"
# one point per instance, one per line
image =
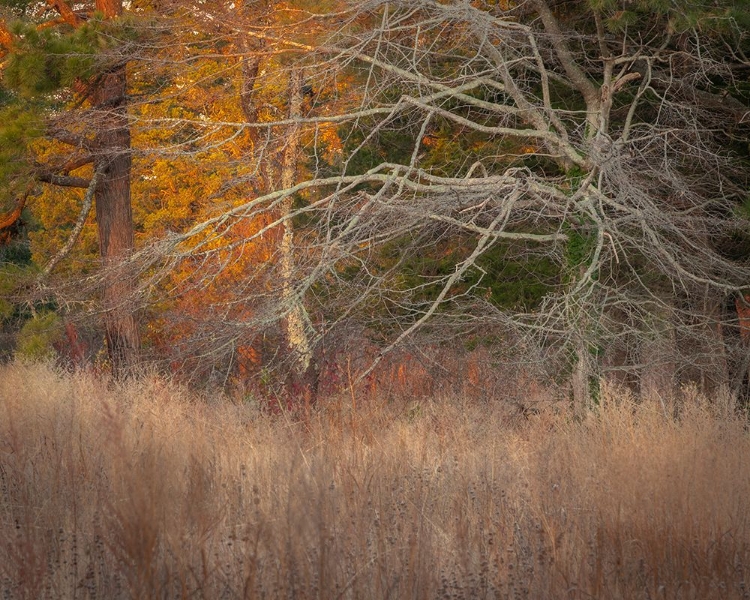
(144, 491)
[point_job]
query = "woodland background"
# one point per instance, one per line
(297, 198)
(413, 299)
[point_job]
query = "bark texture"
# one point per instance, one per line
(114, 213)
(297, 319)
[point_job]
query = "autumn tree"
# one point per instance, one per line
(223, 105)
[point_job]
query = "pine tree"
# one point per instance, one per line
(67, 76)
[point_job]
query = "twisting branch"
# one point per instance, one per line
(64, 180)
(483, 244)
(88, 201)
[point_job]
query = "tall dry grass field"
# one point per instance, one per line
(141, 491)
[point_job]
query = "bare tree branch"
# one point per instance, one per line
(88, 201)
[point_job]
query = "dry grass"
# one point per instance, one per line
(142, 492)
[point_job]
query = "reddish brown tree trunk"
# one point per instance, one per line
(113, 211)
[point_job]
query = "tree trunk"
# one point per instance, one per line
(113, 212)
(659, 361)
(711, 358)
(739, 347)
(297, 319)
(580, 380)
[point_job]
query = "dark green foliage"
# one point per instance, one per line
(451, 152)
(9, 274)
(736, 243)
(45, 60)
(581, 244)
(20, 125)
(16, 253)
(682, 15)
(744, 209)
(740, 13)
(419, 270)
(37, 337)
(16, 272)
(514, 276)
(16, 267)
(393, 144)
(16, 6)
